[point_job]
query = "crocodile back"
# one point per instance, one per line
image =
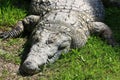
(93, 8)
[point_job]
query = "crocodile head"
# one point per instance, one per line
(46, 48)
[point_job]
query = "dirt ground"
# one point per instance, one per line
(10, 71)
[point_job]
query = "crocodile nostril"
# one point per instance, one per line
(28, 63)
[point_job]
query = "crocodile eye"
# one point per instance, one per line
(49, 41)
(63, 45)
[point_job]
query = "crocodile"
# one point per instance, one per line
(56, 27)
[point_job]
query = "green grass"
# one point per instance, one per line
(10, 14)
(95, 61)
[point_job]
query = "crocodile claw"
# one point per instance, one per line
(4, 35)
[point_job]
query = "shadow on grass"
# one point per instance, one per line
(21, 4)
(24, 56)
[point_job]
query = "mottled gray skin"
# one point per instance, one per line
(59, 25)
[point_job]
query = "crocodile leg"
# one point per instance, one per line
(14, 32)
(29, 21)
(105, 32)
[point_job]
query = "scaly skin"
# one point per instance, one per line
(59, 25)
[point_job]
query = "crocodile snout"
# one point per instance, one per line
(29, 67)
